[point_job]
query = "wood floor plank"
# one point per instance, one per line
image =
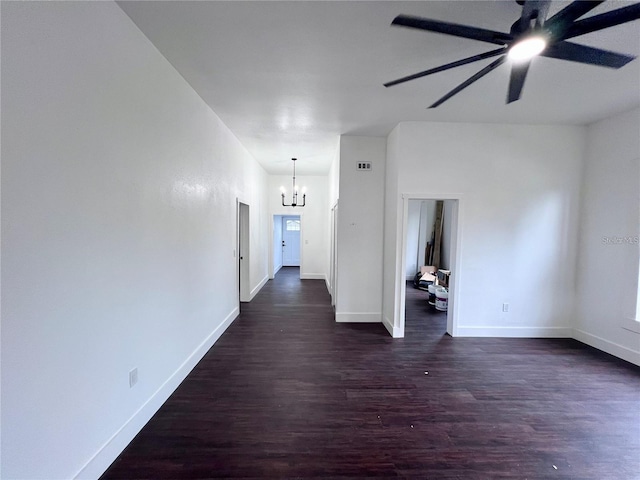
(288, 393)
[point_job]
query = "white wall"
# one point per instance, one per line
(427, 220)
(392, 235)
(314, 220)
(519, 190)
(333, 188)
(420, 219)
(609, 256)
(360, 226)
(119, 191)
(333, 180)
(413, 234)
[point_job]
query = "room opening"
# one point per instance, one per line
(428, 265)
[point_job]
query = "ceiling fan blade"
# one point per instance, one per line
(571, 13)
(441, 68)
(474, 33)
(492, 66)
(516, 81)
(583, 54)
(604, 20)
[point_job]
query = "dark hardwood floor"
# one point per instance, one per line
(288, 393)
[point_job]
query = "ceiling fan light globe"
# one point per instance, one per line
(527, 49)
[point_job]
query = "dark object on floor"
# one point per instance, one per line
(421, 284)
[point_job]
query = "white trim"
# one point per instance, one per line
(258, 287)
(113, 447)
(300, 215)
(432, 196)
(270, 266)
(606, 346)
(241, 199)
(630, 324)
(358, 317)
(312, 276)
(333, 254)
(395, 332)
(515, 332)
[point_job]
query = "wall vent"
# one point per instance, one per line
(364, 166)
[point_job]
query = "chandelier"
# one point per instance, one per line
(294, 196)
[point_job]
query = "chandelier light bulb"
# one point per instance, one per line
(527, 48)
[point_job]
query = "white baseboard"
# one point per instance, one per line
(312, 276)
(347, 317)
(395, 332)
(255, 291)
(607, 346)
(631, 324)
(105, 456)
(521, 332)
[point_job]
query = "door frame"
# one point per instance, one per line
(333, 266)
(456, 253)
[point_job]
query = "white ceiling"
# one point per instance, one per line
(289, 77)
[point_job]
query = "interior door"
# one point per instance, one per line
(291, 241)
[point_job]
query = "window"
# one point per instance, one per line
(292, 225)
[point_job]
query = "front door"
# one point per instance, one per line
(291, 241)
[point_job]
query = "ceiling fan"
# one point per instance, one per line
(532, 34)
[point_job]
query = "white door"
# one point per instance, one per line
(291, 241)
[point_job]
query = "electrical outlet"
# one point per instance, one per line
(505, 307)
(133, 377)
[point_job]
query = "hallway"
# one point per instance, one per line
(288, 393)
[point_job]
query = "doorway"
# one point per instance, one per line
(416, 249)
(428, 250)
(285, 243)
(244, 290)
